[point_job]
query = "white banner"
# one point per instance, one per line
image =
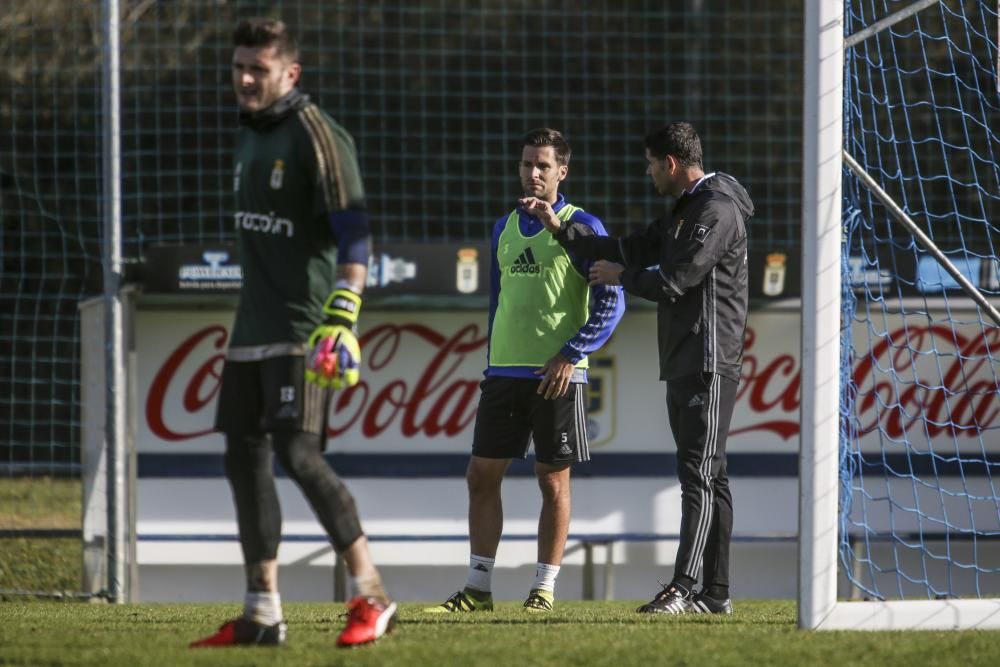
(421, 374)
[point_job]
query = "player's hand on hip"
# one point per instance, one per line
(542, 210)
(334, 358)
(556, 374)
(603, 272)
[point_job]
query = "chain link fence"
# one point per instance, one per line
(437, 95)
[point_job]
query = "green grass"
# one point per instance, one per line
(40, 564)
(40, 502)
(760, 633)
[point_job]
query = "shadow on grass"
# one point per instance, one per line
(637, 619)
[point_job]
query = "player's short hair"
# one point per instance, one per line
(546, 136)
(677, 139)
(258, 32)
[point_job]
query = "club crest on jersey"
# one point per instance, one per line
(701, 233)
(278, 174)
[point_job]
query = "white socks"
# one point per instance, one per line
(545, 577)
(369, 586)
(263, 608)
(480, 571)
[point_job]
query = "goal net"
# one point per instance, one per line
(919, 455)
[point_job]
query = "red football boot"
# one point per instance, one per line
(367, 620)
(242, 631)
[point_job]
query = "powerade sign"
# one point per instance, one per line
(429, 269)
(399, 269)
(864, 274)
(909, 273)
(983, 273)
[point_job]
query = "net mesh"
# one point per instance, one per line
(920, 455)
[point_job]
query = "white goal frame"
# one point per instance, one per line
(822, 173)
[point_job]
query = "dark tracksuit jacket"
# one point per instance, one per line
(699, 277)
(693, 264)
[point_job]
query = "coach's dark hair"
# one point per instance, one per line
(677, 139)
(546, 136)
(258, 32)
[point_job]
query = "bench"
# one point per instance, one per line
(575, 541)
(586, 542)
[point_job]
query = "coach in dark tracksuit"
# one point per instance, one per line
(700, 287)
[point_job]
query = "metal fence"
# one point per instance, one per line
(437, 95)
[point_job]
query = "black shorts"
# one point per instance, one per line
(512, 414)
(270, 395)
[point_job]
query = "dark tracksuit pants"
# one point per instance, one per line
(700, 408)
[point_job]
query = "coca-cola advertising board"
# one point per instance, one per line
(413, 413)
(421, 374)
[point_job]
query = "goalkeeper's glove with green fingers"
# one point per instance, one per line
(334, 352)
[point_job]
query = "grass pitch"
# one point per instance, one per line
(760, 633)
(39, 564)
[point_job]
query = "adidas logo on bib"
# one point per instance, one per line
(525, 263)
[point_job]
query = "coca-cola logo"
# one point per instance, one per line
(936, 379)
(769, 388)
(933, 378)
(902, 385)
(199, 389)
(436, 402)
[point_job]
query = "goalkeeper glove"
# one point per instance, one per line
(334, 352)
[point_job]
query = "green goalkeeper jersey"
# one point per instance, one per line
(293, 168)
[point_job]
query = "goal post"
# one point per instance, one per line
(116, 447)
(900, 439)
(821, 174)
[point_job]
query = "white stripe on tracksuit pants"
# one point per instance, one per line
(700, 408)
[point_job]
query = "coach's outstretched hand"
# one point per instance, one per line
(334, 352)
(542, 210)
(603, 272)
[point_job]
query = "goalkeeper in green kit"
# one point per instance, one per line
(304, 248)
